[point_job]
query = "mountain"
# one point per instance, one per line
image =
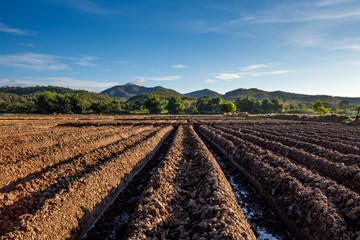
(163, 96)
(286, 96)
(204, 92)
(31, 90)
(129, 90)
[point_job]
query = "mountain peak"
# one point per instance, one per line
(129, 90)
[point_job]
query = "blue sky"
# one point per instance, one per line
(310, 47)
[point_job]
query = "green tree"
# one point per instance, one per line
(153, 104)
(344, 104)
(202, 104)
(247, 104)
(266, 106)
(277, 105)
(47, 102)
(175, 106)
(227, 107)
(319, 107)
(78, 103)
(100, 107)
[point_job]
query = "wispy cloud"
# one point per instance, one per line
(15, 31)
(85, 61)
(16, 82)
(179, 66)
(209, 80)
(42, 62)
(72, 83)
(326, 3)
(165, 78)
(351, 47)
(141, 80)
(254, 66)
(87, 6)
(27, 45)
(124, 62)
(32, 61)
(227, 76)
(246, 72)
(269, 73)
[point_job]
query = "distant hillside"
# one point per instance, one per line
(129, 90)
(23, 94)
(260, 94)
(31, 90)
(204, 92)
(163, 96)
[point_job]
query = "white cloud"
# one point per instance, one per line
(87, 6)
(254, 66)
(124, 62)
(72, 83)
(227, 76)
(85, 61)
(179, 66)
(209, 80)
(32, 61)
(165, 78)
(269, 73)
(15, 31)
(141, 80)
(326, 3)
(27, 45)
(16, 82)
(351, 47)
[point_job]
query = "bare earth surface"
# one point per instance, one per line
(59, 175)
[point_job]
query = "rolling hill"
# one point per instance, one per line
(130, 90)
(204, 92)
(261, 94)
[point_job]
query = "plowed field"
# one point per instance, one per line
(187, 177)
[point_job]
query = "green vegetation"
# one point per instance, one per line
(227, 107)
(207, 105)
(254, 106)
(153, 104)
(50, 99)
(55, 100)
(319, 107)
(175, 106)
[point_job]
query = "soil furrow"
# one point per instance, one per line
(328, 153)
(71, 210)
(114, 222)
(14, 173)
(189, 197)
(306, 211)
(348, 176)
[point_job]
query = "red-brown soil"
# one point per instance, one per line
(189, 197)
(59, 173)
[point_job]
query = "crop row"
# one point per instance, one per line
(344, 199)
(341, 146)
(21, 148)
(59, 154)
(321, 131)
(188, 197)
(67, 198)
(333, 155)
(348, 176)
(294, 192)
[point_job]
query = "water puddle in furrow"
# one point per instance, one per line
(264, 223)
(113, 224)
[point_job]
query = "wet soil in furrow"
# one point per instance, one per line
(113, 224)
(264, 222)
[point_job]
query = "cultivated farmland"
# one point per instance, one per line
(168, 177)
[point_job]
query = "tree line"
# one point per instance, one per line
(82, 102)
